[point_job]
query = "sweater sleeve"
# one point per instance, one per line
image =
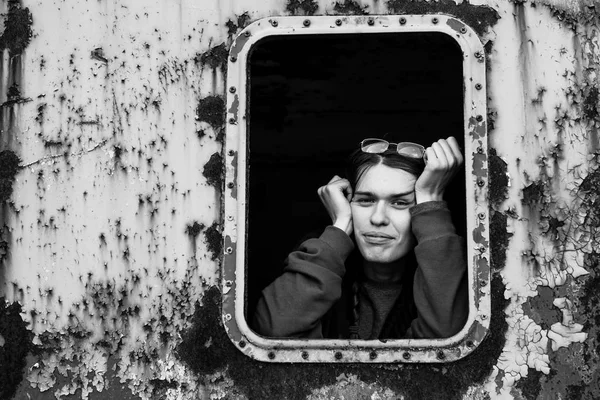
(293, 304)
(440, 282)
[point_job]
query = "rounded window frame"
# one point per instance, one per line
(476, 166)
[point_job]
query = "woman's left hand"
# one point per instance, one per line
(444, 158)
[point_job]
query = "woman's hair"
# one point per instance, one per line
(358, 164)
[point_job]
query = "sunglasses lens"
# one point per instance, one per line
(374, 146)
(411, 150)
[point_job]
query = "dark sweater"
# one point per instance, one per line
(311, 299)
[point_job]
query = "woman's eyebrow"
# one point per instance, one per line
(392, 196)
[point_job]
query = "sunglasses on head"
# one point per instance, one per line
(378, 146)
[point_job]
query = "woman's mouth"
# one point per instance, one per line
(377, 237)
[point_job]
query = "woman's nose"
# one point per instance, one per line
(379, 215)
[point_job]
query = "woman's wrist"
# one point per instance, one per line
(344, 224)
(423, 198)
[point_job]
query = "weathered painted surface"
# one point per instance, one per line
(111, 187)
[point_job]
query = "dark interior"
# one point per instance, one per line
(312, 99)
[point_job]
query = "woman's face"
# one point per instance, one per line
(380, 213)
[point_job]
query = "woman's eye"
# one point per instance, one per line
(363, 201)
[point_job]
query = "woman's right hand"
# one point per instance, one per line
(336, 196)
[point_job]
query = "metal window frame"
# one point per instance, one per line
(476, 176)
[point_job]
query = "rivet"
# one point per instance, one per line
(338, 355)
(338, 22)
(229, 250)
(232, 121)
(230, 218)
(227, 317)
(470, 343)
(478, 54)
(479, 118)
(435, 20)
(484, 317)
(373, 355)
(402, 21)
(274, 23)
(271, 355)
(371, 21)
(230, 185)
(247, 33)
(480, 183)
(481, 215)
(233, 58)
(482, 249)
(406, 355)
(232, 89)
(463, 30)
(306, 22)
(482, 282)
(228, 283)
(242, 344)
(441, 355)
(480, 150)
(478, 86)
(231, 152)
(305, 355)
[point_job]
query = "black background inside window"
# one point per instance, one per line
(312, 99)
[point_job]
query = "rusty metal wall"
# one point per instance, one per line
(112, 118)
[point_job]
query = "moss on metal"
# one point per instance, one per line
(9, 166)
(214, 240)
(498, 178)
(211, 109)
(531, 386)
(350, 7)
(17, 28)
(206, 349)
(591, 104)
(241, 22)
(302, 7)
(480, 18)
(17, 343)
(215, 57)
(213, 171)
(194, 229)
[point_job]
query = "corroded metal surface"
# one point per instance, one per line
(111, 238)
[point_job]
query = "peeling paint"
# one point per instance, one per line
(238, 374)
(480, 18)
(350, 7)
(302, 7)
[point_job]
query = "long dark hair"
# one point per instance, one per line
(358, 164)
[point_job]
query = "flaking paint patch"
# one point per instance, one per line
(477, 129)
(209, 352)
(234, 164)
(350, 7)
(237, 46)
(455, 24)
(235, 105)
(480, 18)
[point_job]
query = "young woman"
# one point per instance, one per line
(408, 278)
